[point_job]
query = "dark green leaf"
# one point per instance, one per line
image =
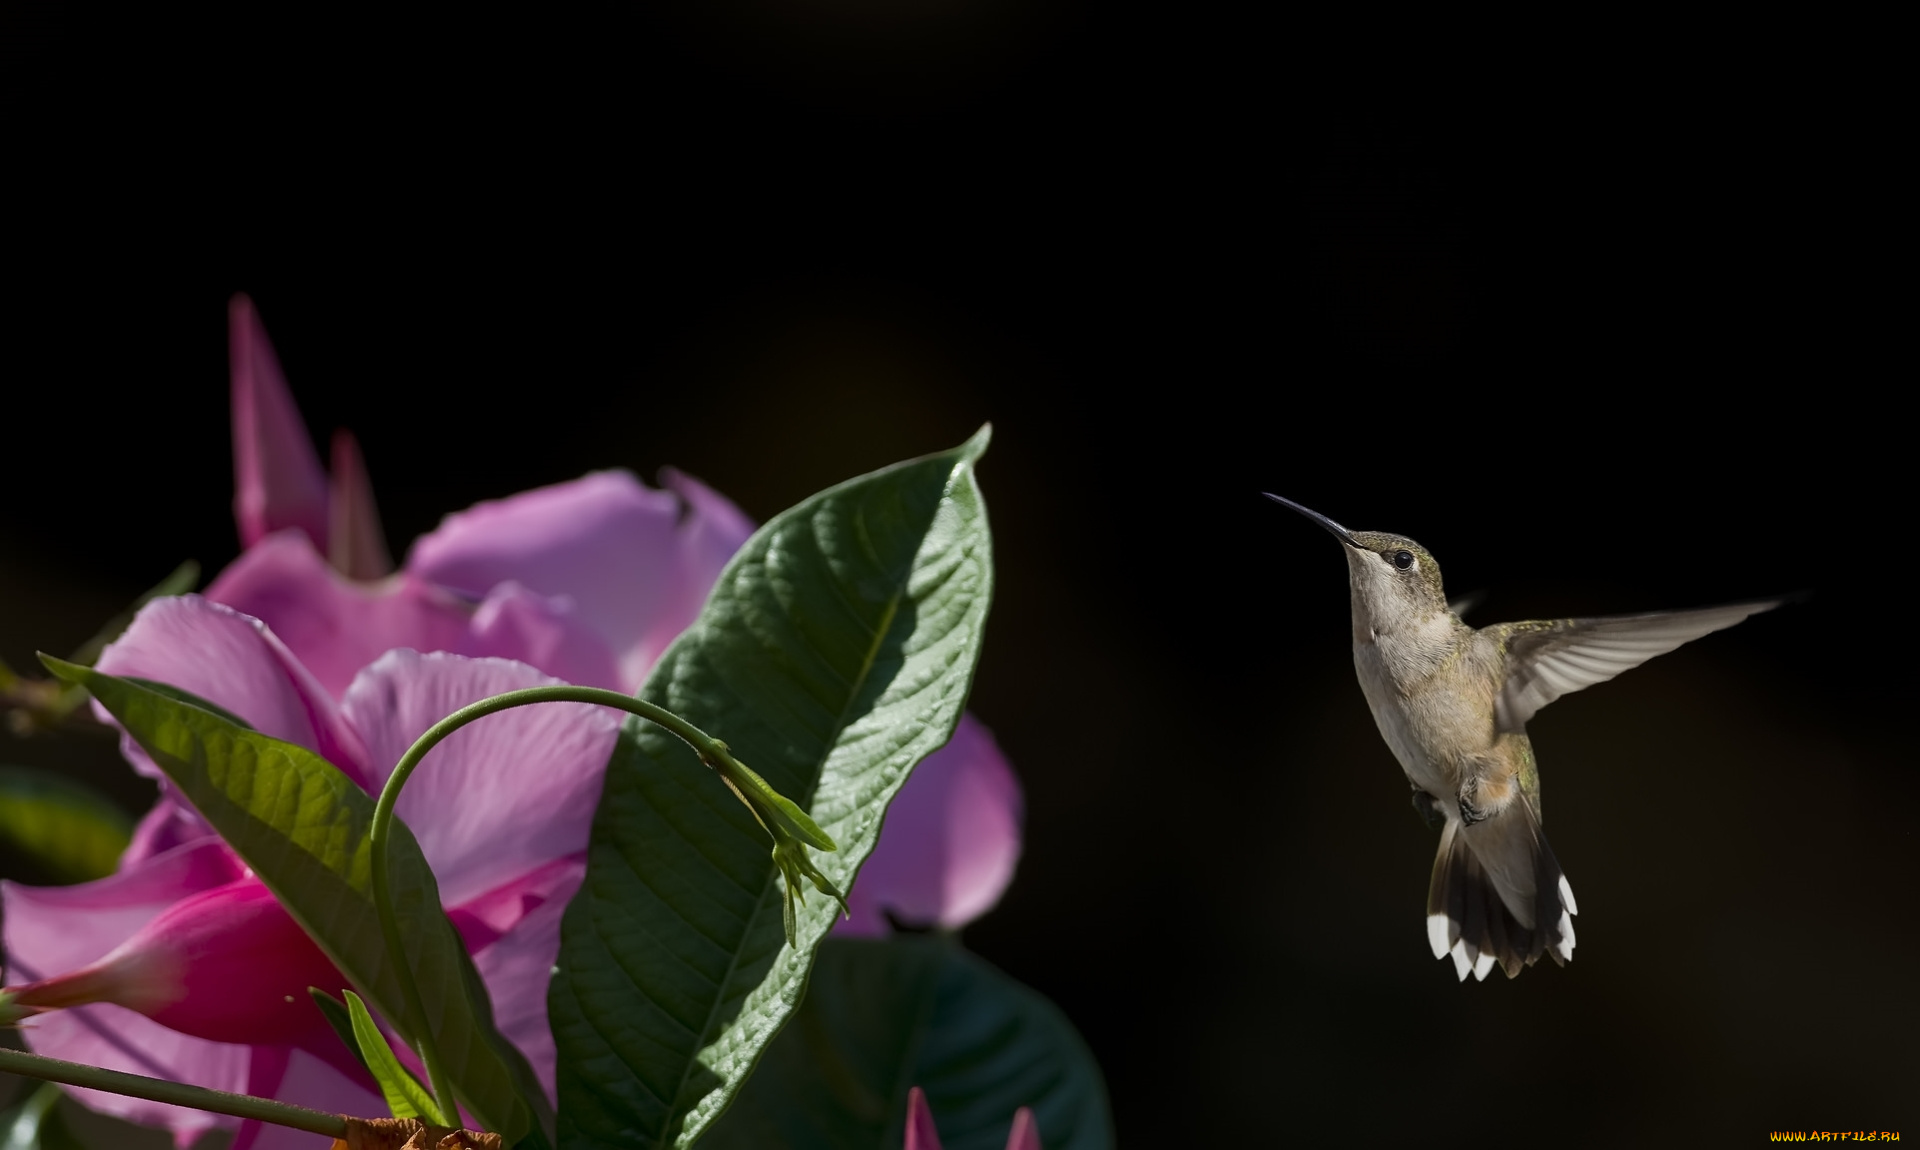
(340, 1018)
(836, 651)
(303, 827)
(68, 830)
(883, 1016)
(35, 1122)
(406, 1098)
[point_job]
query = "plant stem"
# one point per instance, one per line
(710, 750)
(177, 1093)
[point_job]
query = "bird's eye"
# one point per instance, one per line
(1403, 559)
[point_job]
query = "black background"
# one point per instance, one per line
(1608, 328)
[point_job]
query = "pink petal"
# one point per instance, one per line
(336, 626)
(1025, 1134)
(265, 1071)
(519, 965)
(299, 1078)
(541, 631)
(708, 539)
(277, 478)
(227, 964)
(356, 547)
(333, 625)
(484, 919)
(54, 929)
(118, 1039)
(921, 1134)
(50, 930)
(499, 798)
(234, 662)
(950, 842)
(169, 824)
(635, 571)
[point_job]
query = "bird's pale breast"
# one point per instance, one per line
(1432, 725)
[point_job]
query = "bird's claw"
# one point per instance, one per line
(1470, 812)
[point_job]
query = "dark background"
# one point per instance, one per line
(1611, 329)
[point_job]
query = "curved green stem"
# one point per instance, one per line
(178, 1093)
(781, 818)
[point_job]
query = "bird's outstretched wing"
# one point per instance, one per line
(1555, 657)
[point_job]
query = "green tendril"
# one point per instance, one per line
(791, 828)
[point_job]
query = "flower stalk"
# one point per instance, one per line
(177, 1093)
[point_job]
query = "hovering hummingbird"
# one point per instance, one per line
(1453, 702)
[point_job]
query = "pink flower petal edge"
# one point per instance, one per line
(543, 631)
(298, 1077)
(277, 478)
(356, 547)
(234, 662)
(921, 1134)
(634, 564)
(1025, 1134)
(950, 842)
(335, 626)
(332, 624)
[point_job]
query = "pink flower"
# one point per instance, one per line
(587, 581)
(227, 964)
(183, 966)
(921, 1134)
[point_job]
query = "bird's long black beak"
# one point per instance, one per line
(1344, 535)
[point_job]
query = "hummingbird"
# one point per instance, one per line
(1452, 702)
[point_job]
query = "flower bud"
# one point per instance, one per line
(228, 964)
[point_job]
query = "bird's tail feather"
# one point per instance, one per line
(1498, 895)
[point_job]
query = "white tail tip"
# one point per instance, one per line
(1481, 967)
(1461, 963)
(1566, 896)
(1437, 935)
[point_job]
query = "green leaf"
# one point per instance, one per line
(35, 1122)
(303, 827)
(73, 833)
(836, 651)
(405, 1096)
(883, 1016)
(340, 1018)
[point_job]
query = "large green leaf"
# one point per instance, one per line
(70, 831)
(836, 651)
(881, 1017)
(303, 827)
